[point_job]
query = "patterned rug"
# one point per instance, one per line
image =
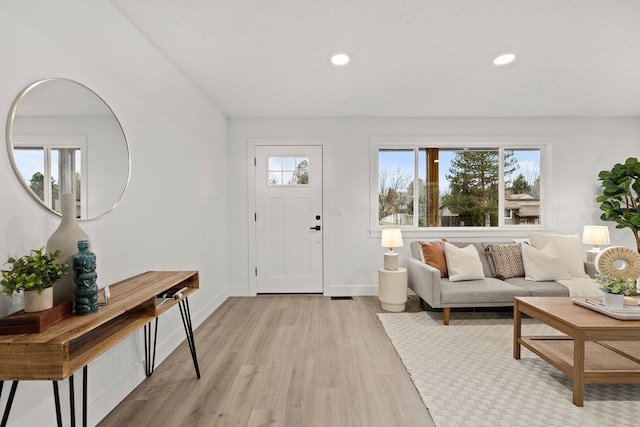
(466, 375)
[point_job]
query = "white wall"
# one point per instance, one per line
(172, 215)
(581, 148)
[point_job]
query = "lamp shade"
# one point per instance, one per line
(596, 235)
(391, 238)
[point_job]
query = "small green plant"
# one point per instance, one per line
(615, 285)
(34, 272)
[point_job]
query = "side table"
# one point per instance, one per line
(392, 289)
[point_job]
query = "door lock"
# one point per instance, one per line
(317, 227)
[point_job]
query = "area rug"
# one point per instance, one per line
(466, 376)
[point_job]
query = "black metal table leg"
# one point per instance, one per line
(185, 313)
(72, 401)
(149, 353)
(56, 398)
(72, 398)
(7, 408)
(85, 372)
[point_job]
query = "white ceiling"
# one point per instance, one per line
(410, 58)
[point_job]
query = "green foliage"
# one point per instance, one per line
(520, 185)
(615, 285)
(619, 199)
(474, 177)
(34, 272)
(37, 185)
(302, 173)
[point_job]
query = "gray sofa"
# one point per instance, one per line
(439, 292)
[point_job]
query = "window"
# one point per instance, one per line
(288, 171)
(483, 186)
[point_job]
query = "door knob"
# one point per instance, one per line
(317, 227)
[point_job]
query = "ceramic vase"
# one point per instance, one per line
(612, 300)
(84, 266)
(65, 239)
(34, 301)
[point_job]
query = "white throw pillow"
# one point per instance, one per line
(463, 263)
(569, 250)
(543, 264)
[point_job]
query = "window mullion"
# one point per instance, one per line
(501, 187)
(416, 187)
(46, 184)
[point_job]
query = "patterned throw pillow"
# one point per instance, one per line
(433, 254)
(508, 260)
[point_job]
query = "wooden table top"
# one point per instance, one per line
(564, 310)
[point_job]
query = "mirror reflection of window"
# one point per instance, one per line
(60, 168)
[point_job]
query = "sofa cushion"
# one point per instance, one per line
(507, 259)
(463, 263)
(487, 262)
(433, 254)
(488, 290)
(544, 264)
(416, 250)
(547, 288)
(569, 250)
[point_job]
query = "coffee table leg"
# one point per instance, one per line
(578, 369)
(517, 330)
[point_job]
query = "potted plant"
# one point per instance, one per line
(614, 289)
(34, 274)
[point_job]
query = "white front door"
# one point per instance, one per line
(288, 219)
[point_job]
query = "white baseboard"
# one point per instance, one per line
(351, 290)
(332, 291)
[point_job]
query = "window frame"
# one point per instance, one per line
(501, 143)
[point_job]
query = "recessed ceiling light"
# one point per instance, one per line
(340, 59)
(504, 59)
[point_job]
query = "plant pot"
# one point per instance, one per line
(612, 300)
(34, 301)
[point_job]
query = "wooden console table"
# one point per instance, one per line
(62, 349)
(596, 348)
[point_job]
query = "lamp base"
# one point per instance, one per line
(390, 261)
(591, 255)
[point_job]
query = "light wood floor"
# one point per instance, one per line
(281, 361)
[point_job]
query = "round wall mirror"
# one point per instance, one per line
(63, 138)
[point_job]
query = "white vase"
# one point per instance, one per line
(612, 300)
(65, 239)
(34, 301)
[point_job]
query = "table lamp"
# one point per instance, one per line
(391, 238)
(595, 235)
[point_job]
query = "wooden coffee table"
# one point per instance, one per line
(595, 349)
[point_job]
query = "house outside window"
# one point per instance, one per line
(492, 186)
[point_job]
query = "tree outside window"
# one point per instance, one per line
(458, 187)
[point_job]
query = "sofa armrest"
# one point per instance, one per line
(425, 281)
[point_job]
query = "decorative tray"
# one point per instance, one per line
(627, 312)
(32, 323)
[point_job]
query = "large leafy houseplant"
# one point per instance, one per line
(33, 272)
(620, 200)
